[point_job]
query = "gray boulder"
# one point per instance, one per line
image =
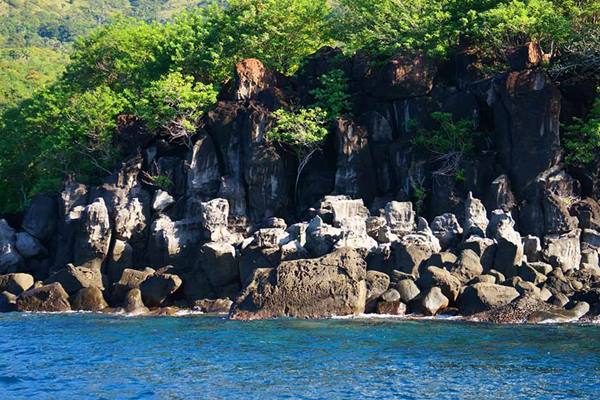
(509, 248)
(485, 296)
(158, 287)
(28, 246)
(476, 220)
(408, 290)
(72, 278)
(377, 284)
(485, 248)
(468, 266)
(441, 278)
(16, 283)
(409, 253)
(447, 229)
(334, 284)
(10, 258)
(563, 250)
(400, 217)
(321, 237)
(93, 234)
(433, 302)
(214, 216)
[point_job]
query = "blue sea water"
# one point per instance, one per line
(88, 356)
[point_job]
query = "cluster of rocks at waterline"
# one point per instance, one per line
(344, 261)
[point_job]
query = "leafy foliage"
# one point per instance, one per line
(582, 138)
(281, 33)
(303, 130)
(175, 103)
(449, 137)
(333, 95)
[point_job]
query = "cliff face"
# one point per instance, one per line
(229, 182)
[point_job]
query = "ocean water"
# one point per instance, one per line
(88, 356)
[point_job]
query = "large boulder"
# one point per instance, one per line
(468, 266)
(158, 287)
(563, 250)
(509, 247)
(377, 284)
(485, 296)
(15, 283)
(441, 278)
(331, 285)
(408, 290)
(409, 253)
(485, 248)
(28, 246)
(400, 217)
(214, 217)
(219, 262)
(130, 279)
(321, 237)
(174, 242)
(476, 220)
(72, 278)
(89, 299)
(433, 302)
(93, 234)
(133, 303)
(41, 217)
(447, 229)
(47, 298)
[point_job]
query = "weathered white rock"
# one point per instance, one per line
(446, 228)
(563, 250)
(476, 220)
(400, 217)
(162, 200)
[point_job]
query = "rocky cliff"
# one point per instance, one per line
(232, 224)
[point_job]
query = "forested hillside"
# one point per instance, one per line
(35, 35)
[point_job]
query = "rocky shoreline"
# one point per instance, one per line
(514, 238)
(391, 264)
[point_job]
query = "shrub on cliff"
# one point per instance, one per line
(332, 95)
(582, 138)
(303, 131)
(450, 142)
(174, 104)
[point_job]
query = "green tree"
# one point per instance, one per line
(332, 95)
(582, 138)
(175, 103)
(304, 131)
